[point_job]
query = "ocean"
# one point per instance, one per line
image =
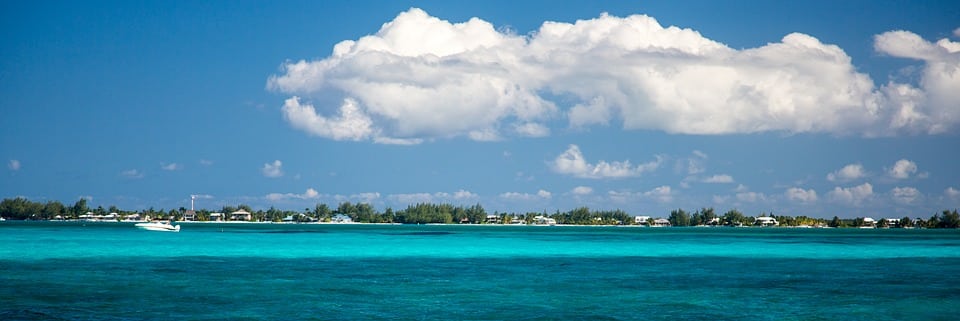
(113, 271)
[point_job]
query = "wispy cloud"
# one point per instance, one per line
(131, 174)
(13, 165)
(171, 166)
(719, 179)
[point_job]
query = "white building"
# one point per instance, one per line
(766, 221)
(641, 220)
(661, 222)
(543, 220)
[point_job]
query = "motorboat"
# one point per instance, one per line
(158, 226)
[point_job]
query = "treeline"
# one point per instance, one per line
(423, 213)
(709, 216)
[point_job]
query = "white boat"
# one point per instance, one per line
(158, 226)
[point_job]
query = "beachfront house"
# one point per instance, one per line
(135, 217)
(493, 219)
(190, 215)
(341, 218)
(868, 222)
(641, 220)
(892, 222)
(543, 220)
(240, 215)
(765, 221)
(216, 217)
(299, 217)
(661, 222)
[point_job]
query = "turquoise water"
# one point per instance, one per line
(112, 271)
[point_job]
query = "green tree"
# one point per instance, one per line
(679, 217)
(733, 217)
(906, 222)
(79, 208)
(950, 219)
(835, 222)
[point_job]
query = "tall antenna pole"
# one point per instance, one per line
(192, 197)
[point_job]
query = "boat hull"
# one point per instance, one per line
(160, 227)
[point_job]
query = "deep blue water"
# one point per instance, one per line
(112, 271)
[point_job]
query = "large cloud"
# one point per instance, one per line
(420, 77)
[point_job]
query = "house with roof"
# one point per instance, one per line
(240, 215)
(765, 221)
(641, 220)
(543, 220)
(341, 218)
(661, 222)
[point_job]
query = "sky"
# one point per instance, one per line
(816, 108)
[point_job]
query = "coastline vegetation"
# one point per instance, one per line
(427, 213)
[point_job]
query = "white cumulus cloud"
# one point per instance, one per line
(662, 194)
(797, 194)
(902, 169)
(572, 162)
(13, 165)
(847, 173)
(420, 77)
(272, 169)
(905, 195)
(582, 190)
(351, 124)
(950, 192)
(851, 195)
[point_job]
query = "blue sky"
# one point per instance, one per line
(806, 108)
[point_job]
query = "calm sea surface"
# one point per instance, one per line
(113, 271)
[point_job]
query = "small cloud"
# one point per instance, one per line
(273, 170)
(950, 192)
(751, 197)
(131, 174)
(905, 195)
(531, 130)
(310, 193)
(13, 165)
(663, 194)
(203, 196)
(464, 194)
(206, 162)
(544, 194)
(801, 195)
(507, 154)
(582, 190)
(541, 194)
(719, 179)
(170, 167)
(847, 173)
(902, 169)
(851, 195)
(573, 163)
